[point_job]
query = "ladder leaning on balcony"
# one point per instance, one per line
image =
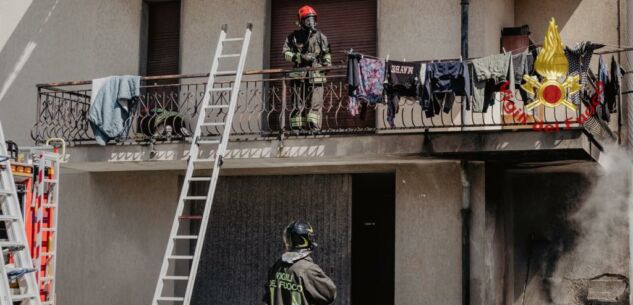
(168, 271)
(15, 247)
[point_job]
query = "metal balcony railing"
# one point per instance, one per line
(169, 105)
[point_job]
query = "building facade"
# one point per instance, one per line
(543, 214)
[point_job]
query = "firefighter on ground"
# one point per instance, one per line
(307, 47)
(295, 279)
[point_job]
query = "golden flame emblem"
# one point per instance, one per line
(551, 63)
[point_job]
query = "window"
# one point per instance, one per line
(163, 38)
(161, 43)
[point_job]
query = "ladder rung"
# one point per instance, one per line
(212, 124)
(171, 299)
(197, 179)
(48, 254)
(229, 72)
(50, 180)
(186, 237)
(210, 160)
(229, 55)
(233, 39)
(6, 244)
(208, 142)
(21, 297)
(221, 89)
(47, 279)
(195, 198)
(176, 277)
(49, 206)
(8, 218)
(48, 230)
(183, 257)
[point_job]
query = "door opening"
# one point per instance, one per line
(373, 238)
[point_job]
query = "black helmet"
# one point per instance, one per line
(299, 235)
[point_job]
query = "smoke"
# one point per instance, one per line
(597, 229)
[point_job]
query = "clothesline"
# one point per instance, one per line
(351, 51)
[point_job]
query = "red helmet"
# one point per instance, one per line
(306, 11)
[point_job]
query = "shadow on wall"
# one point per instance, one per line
(531, 12)
(18, 114)
(570, 236)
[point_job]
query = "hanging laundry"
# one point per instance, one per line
(520, 64)
(442, 82)
(612, 88)
(111, 106)
(603, 77)
(365, 79)
(488, 74)
(403, 80)
(579, 58)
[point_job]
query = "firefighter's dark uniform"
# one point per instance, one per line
(307, 92)
(298, 282)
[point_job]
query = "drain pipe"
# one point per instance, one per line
(464, 39)
(466, 212)
(628, 122)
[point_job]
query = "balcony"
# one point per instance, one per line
(168, 108)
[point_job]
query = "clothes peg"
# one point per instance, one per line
(504, 50)
(387, 59)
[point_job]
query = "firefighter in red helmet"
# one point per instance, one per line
(307, 47)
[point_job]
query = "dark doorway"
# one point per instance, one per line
(373, 238)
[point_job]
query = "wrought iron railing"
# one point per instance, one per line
(268, 105)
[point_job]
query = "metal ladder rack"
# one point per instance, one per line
(168, 269)
(16, 245)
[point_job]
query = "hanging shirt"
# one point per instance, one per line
(603, 77)
(444, 80)
(579, 59)
(403, 78)
(521, 67)
(488, 73)
(365, 77)
(612, 88)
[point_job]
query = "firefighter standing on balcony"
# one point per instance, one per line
(307, 47)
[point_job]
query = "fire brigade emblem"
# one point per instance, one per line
(553, 66)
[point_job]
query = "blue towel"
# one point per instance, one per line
(108, 117)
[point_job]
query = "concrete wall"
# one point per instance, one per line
(594, 20)
(113, 231)
(428, 234)
(60, 40)
(201, 22)
(432, 29)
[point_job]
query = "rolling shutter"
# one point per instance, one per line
(346, 23)
(163, 43)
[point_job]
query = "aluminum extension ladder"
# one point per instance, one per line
(45, 199)
(168, 270)
(16, 245)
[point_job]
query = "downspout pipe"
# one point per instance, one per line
(464, 39)
(466, 216)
